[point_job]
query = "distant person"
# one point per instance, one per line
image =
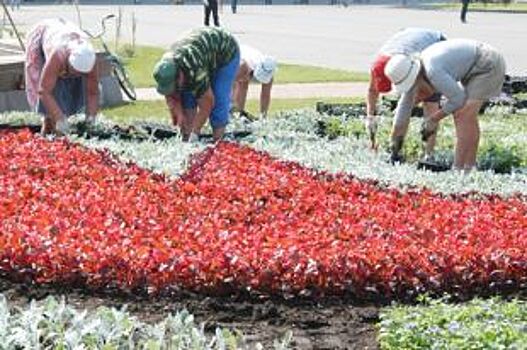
(464, 10)
(408, 41)
(196, 78)
(15, 4)
(60, 73)
(211, 6)
(259, 68)
(234, 5)
(466, 72)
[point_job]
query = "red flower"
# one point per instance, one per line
(239, 219)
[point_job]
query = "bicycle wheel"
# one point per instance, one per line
(124, 81)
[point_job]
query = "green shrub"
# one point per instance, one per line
(478, 324)
(499, 158)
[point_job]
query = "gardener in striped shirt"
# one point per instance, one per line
(196, 78)
(466, 72)
(408, 41)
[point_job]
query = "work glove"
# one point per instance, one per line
(193, 138)
(428, 128)
(395, 150)
(371, 125)
(396, 158)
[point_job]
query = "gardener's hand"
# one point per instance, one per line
(371, 124)
(396, 147)
(193, 138)
(428, 128)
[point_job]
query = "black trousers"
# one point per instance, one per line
(213, 7)
(464, 9)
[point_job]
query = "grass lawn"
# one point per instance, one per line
(141, 64)
(157, 110)
(517, 6)
(292, 73)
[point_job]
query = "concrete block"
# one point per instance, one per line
(110, 92)
(14, 100)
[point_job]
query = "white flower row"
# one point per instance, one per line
(169, 157)
(291, 136)
(294, 139)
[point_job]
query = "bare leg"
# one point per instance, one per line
(467, 132)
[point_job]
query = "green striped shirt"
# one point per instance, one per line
(201, 53)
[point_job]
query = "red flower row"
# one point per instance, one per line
(242, 220)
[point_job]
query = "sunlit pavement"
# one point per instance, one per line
(333, 36)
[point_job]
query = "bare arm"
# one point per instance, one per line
(48, 80)
(371, 99)
(175, 108)
(241, 86)
(400, 122)
(454, 92)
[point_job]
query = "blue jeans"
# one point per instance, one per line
(222, 81)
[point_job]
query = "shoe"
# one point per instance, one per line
(396, 159)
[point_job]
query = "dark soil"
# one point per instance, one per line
(329, 323)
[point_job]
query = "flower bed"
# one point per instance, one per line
(239, 219)
(292, 136)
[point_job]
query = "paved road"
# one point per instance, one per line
(331, 36)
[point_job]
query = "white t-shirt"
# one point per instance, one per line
(252, 56)
(58, 33)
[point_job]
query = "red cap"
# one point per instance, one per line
(382, 83)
